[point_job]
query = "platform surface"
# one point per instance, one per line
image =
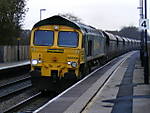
(13, 64)
(124, 91)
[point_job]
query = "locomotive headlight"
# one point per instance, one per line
(74, 64)
(34, 62)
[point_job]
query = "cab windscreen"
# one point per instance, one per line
(43, 38)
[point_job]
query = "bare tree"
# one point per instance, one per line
(70, 17)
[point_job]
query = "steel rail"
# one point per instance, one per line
(9, 85)
(22, 103)
(14, 81)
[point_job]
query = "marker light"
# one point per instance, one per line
(69, 63)
(56, 27)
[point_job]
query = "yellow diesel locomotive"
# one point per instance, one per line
(62, 51)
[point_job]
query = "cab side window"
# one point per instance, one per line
(89, 47)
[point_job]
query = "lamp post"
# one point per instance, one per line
(142, 33)
(41, 13)
(18, 52)
(144, 48)
(146, 68)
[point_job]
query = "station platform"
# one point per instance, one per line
(125, 92)
(8, 65)
(120, 89)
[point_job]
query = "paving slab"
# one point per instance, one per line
(141, 96)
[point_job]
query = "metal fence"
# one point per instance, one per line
(13, 53)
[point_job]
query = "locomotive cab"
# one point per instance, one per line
(55, 52)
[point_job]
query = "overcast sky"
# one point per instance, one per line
(102, 14)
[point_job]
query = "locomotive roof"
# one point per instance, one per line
(56, 20)
(109, 35)
(59, 20)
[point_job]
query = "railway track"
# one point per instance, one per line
(15, 80)
(17, 93)
(30, 104)
(23, 103)
(14, 86)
